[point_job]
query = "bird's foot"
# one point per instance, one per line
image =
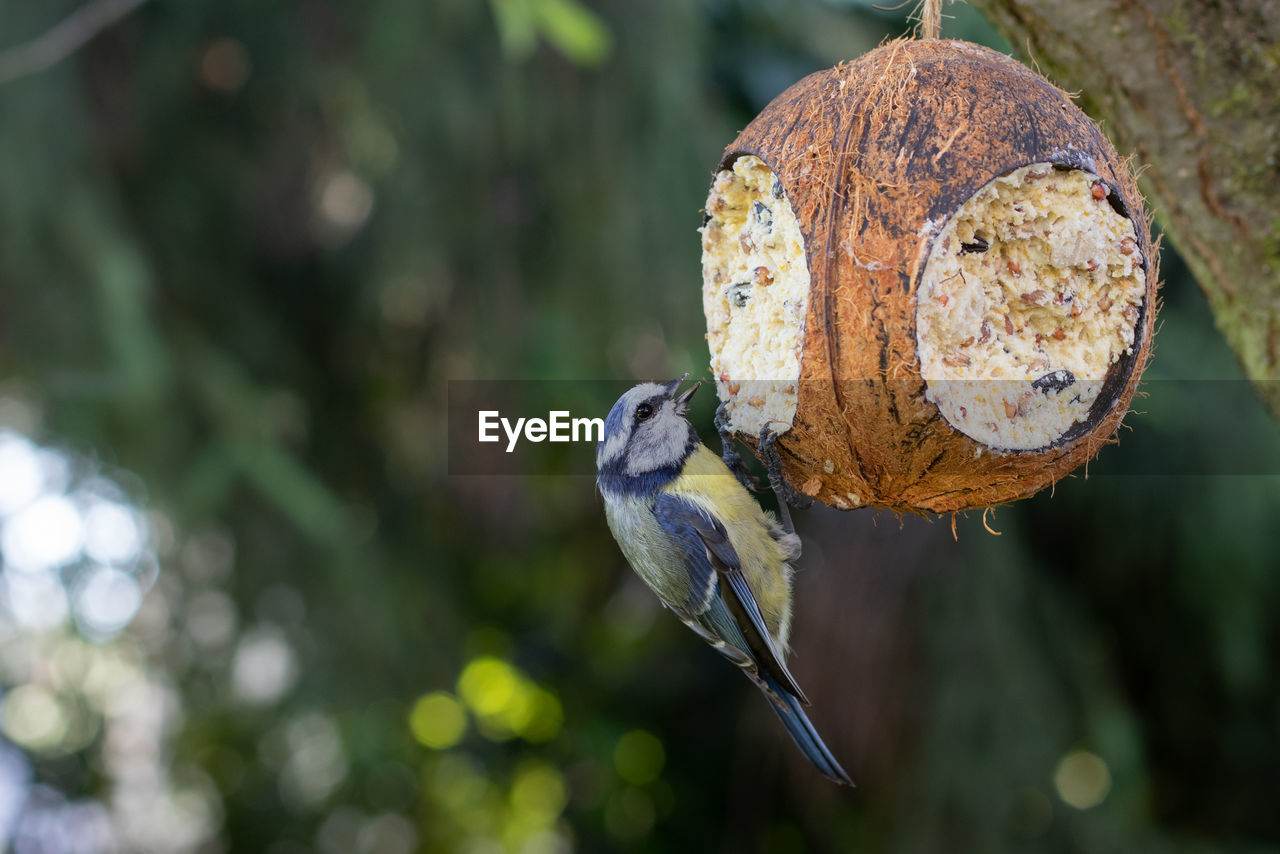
(729, 453)
(788, 496)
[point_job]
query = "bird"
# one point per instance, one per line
(715, 558)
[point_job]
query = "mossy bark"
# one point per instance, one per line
(1190, 88)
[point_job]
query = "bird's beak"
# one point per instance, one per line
(682, 402)
(675, 383)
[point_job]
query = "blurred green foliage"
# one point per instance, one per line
(243, 248)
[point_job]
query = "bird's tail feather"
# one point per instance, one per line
(803, 733)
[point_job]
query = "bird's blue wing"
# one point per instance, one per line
(703, 539)
(720, 601)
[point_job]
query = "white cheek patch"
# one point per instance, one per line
(613, 446)
(616, 443)
(659, 442)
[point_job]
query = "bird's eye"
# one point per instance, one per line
(644, 411)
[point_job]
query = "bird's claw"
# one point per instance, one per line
(773, 465)
(732, 459)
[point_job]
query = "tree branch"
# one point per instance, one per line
(63, 39)
(1190, 88)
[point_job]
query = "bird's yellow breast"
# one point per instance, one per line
(707, 481)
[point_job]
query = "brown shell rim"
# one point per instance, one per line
(1117, 379)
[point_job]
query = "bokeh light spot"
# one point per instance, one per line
(15, 785)
(33, 717)
(458, 785)
(263, 668)
(46, 534)
(539, 792)
(340, 831)
(37, 600)
(438, 721)
(488, 685)
(225, 66)
(639, 757)
(317, 762)
(51, 823)
(211, 618)
(388, 833)
(112, 533)
(506, 703)
(107, 600)
(546, 841)
(346, 201)
(1082, 779)
(20, 477)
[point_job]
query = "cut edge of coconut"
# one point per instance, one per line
(1031, 308)
(755, 294)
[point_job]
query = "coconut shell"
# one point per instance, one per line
(874, 155)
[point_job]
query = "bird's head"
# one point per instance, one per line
(647, 431)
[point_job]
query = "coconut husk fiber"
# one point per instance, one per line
(875, 156)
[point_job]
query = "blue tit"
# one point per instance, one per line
(695, 535)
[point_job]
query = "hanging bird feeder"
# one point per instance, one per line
(932, 275)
